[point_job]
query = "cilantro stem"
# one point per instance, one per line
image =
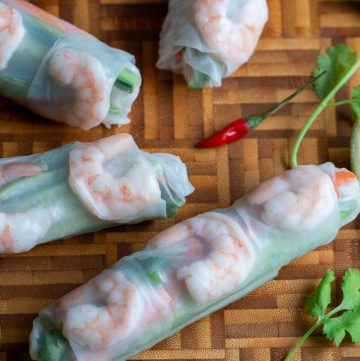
(348, 101)
(302, 340)
(318, 110)
(332, 312)
(319, 322)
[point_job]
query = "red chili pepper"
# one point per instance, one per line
(241, 127)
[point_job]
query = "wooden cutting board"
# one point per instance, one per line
(167, 117)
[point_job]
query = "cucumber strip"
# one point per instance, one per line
(13, 188)
(173, 206)
(50, 29)
(199, 80)
(173, 203)
(52, 345)
(14, 81)
(51, 187)
(116, 111)
(17, 77)
(355, 149)
(152, 267)
(55, 347)
(344, 214)
(187, 311)
(127, 80)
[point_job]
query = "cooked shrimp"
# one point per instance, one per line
(86, 77)
(11, 171)
(298, 200)
(232, 33)
(347, 188)
(12, 32)
(345, 182)
(40, 14)
(104, 325)
(23, 230)
(113, 178)
(224, 260)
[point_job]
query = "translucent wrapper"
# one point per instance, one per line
(61, 72)
(196, 267)
(207, 40)
(84, 187)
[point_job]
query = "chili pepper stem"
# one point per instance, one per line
(276, 107)
(240, 127)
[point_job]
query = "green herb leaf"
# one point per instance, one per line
(351, 289)
(355, 105)
(337, 61)
(318, 302)
(335, 328)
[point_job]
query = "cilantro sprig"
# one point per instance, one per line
(339, 63)
(355, 104)
(345, 318)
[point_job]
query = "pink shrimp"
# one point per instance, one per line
(223, 263)
(298, 200)
(233, 35)
(21, 231)
(11, 171)
(111, 311)
(86, 77)
(344, 181)
(110, 189)
(101, 326)
(12, 32)
(40, 14)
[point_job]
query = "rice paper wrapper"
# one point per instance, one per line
(197, 267)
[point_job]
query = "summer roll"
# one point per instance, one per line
(62, 72)
(197, 267)
(208, 40)
(84, 187)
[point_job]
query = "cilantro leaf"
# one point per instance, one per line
(335, 328)
(318, 302)
(351, 289)
(337, 61)
(355, 105)
(337, 65)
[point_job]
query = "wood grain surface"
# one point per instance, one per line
(168, 117)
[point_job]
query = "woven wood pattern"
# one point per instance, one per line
(168, 117)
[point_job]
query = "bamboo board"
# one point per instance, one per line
(167, 117)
